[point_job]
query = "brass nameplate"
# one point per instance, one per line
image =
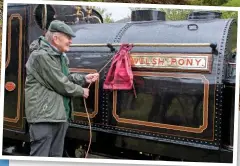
(195, 62)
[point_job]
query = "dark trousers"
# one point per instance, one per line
(47, 139)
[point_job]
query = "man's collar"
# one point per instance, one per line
(55, 49)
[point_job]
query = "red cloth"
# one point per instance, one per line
(120, 75)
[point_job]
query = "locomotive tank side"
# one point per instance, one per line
(180, 104)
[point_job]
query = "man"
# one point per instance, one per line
(49, 88)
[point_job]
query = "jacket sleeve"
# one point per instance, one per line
(77, 78)
(50, 72)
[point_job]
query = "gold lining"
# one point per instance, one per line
(23, 75)
(94, 113)
(9, 41)
(16, 119)
(154, 132)
(167, 126)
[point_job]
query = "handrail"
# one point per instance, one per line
(149, 45)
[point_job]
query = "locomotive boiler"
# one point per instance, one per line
(184, 77)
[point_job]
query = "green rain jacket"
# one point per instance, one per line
(49, 86)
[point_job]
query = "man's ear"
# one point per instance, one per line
(55, 38)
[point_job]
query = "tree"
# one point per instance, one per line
(235, 3)
(1, 11)
(176, 2)
(85, 0)
(207, 2)
(176, 14)
(106, 16)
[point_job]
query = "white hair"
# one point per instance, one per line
(49, 35)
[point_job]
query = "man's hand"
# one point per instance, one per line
(85, 92)
(91, 77)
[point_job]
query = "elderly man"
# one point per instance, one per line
(48, 90)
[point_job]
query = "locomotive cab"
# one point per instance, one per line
(25, 23)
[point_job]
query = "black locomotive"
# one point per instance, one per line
(184, 76)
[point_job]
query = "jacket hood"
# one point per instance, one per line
(34, 45)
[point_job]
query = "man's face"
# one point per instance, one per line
(62, 42)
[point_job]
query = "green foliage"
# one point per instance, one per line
(1, 12)
(179, 2)
(106, 16)
(232, 3)
(85, 0)
(207, 2)
(176, 14)
(181, 14)
(234, 37)
(227, 3)
(229, 14)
